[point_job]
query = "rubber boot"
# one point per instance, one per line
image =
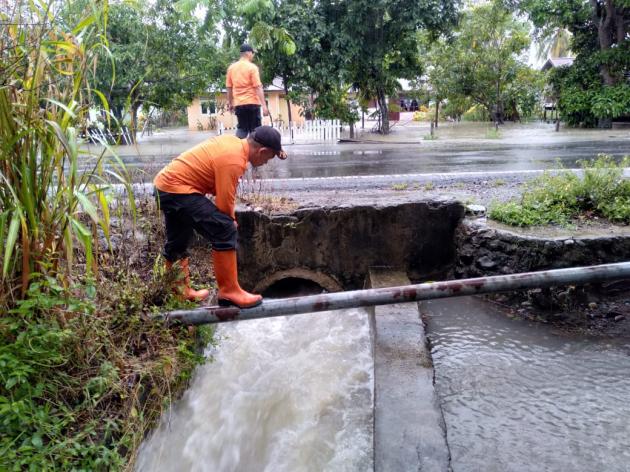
(230, 292)
(182, 284)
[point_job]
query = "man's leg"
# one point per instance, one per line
(249, 118)
(179, 231)
(241, 125)
(219, 229)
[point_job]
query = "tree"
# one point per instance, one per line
(485, 57)
(600, 41)
(156, 59)
(382, 43)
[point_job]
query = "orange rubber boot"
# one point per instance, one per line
(182, 284)
(230, 292)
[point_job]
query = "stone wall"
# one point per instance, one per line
(343, 243)
(486, 251)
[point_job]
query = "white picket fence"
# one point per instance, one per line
(310, 131)
(313, 130)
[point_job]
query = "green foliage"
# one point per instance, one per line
(484, 64)
(73, 395)
(381, 37)
(593, 91)
(601, 191)
(53, 194)
(156, 56)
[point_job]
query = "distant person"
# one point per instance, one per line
(213, 167)
(414, 105)
(245, 92)
(403, 106)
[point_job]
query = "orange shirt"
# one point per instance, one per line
(243, 78)
(212, 167)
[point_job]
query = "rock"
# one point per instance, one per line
(592, 305)
(486, 263)
(475, 210)
(569, 242)
(613, 314)
(619, 318)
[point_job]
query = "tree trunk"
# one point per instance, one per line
(286, 95)
(382, 104)
(351, 130)
(289, 114)
(134, 120)
(604, 19)
(437, 111)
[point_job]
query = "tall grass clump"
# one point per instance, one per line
(83, 371)
(599, 190)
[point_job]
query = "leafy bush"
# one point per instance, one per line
(83, 378)
(600, 190)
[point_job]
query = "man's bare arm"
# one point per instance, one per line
(230, 98)
(261, 96)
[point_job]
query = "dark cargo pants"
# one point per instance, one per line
(185, 213)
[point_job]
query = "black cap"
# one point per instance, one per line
(246, 48)
(270, 138)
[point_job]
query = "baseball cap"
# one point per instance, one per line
(246, 48)
(270, 138)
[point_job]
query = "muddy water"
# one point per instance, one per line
(518, 398)
(282, 394)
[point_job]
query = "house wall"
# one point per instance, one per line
(276, 103)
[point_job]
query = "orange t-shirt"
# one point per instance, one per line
(243, 78)
(211, 167)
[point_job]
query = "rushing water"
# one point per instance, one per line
(282, 394)
(518, 398)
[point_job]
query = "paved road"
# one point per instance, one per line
(460, 148)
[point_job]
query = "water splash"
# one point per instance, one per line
(283, 394)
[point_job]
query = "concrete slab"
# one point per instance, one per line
(409, 431)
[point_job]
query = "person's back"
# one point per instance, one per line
(245, 92)
(243, 78)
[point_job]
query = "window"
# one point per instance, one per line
(208, 107)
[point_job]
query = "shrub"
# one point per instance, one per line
(600, 190)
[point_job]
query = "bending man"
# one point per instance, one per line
(213, 167)
(245, 92)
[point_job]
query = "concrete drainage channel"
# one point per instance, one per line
(337, 247)
(409, 429)
(374, 247)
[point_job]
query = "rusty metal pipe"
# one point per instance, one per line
(408, 293)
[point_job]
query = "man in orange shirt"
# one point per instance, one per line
(213, 167)
(245, 92)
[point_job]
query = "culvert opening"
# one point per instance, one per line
(292, 287)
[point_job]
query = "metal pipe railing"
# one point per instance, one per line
(404, 294)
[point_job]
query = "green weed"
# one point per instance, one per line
(399, 187)
(601, 191)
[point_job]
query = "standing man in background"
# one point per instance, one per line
(245, 92)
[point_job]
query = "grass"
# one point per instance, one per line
(84, 371)
(600, 192)
(430, 137)
(400, 187)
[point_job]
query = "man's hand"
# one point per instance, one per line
(265, 111)
(282, 155)
(236, 224)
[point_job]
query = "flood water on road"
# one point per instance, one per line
(460, 148)
(516, 398)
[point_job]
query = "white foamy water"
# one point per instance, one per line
(283, 394)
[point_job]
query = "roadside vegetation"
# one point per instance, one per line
(564, 197)
(84, 372)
